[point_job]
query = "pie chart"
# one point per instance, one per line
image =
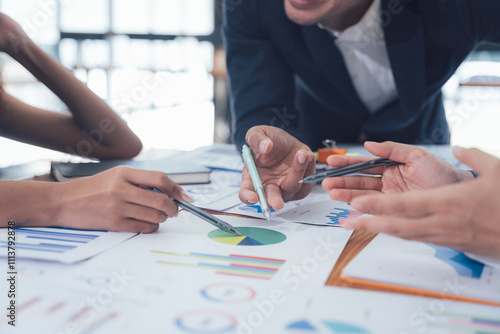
(251, 236)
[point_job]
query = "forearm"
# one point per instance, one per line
(28, 203)
(89, 112)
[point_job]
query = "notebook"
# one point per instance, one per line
(178, 170)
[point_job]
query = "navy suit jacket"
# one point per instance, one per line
(294, 77)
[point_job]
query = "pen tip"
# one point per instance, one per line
(267, 214)
(301, 181)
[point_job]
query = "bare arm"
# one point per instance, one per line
(92, 129)
(112, 200)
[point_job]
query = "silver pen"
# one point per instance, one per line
(201, 214)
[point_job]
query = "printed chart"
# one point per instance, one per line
(251, 236)
(252, 208)
(232, 265)
(418, 265)
(463, 323)
(206, 321)
(461, 263)
(321, 213)
(324, 326)
(62, 244)
(228, 293)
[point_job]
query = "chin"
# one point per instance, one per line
(309, 13)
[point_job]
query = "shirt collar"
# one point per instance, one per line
(370, 26)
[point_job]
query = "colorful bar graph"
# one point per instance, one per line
(463, 322)
(70, 236)
(52, 240)
(339, 216)
(239, 265)
(62, 244)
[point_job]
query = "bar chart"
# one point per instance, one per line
(232, 265)
(61, 244)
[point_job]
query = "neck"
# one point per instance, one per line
(348, 17)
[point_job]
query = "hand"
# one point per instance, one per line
(113, 200)
(282, 161)
(422, 170)
(464, 216)
(11, 35)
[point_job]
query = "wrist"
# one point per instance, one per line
(18, 46)
(29, 203)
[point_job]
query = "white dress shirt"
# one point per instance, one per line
(365, 55)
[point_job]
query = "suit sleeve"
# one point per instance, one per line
(482, 16)
(261, 82)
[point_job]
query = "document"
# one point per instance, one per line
(267, 251)
(316, 209)
(424, 267)
(61, 244)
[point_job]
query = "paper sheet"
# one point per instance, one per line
(220, 194)
(341, 310)
(316, 209)
(61, 244)
(425, 266)
(273, 251)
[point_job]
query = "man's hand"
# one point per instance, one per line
(464, 216)
(421, 170)
(282, 161)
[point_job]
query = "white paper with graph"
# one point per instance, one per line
(268, 251)
(423, 266)
(316, 209)
(61, 244)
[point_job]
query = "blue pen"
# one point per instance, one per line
(252, 170)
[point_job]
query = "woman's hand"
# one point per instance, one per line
(114, 200)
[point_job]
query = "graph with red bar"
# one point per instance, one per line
(231, 265)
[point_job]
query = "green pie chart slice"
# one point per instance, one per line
(251, 236)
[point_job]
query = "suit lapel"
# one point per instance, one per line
(331, 63)
(404, 39)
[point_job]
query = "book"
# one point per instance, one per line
(180, 171)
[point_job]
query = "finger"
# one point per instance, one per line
(258, 141)
(342, 161)
(394, 151)
(305, 189)
(302, 162)
(478, 160)
(274, 196)
(338, 160)
(247, 192)
(348, 195)
(133, 225)
(158, 180)
(145, 214)
(352, 182)
(152, 200)
(412, 204)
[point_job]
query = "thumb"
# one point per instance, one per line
(258, 141)
(478, 160)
